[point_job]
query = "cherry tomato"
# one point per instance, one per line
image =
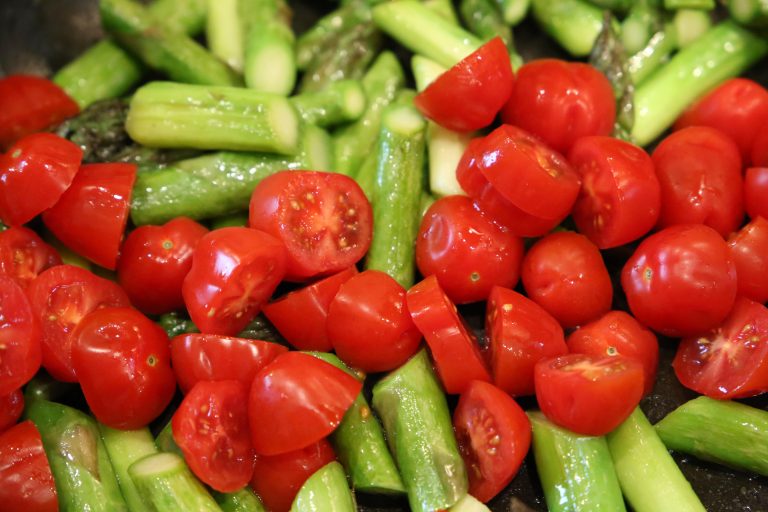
(30, 104)
(565, 274)
(301, 316)
(296, 400)
(324, 220)
(60, 297)
(158, 258)
(560, 102)
(468, 96)
(620, 195)
(759, 153)
(520, 333)
(730, 361)
(91, 215)
(123, 364)
(34, 173)
(618, 334)
(586, 394)
(210, 357)
(454, 348)
(23, 255)
(749, 249)
(467, 252)
(20, 346)
(211, 428)
(26, 482)
(369, 325)
(11, 407)
(756, 191)
(234, 271)
(699, 169)
(494, 435)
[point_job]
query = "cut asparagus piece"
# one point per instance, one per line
(340, 102)
(326, 32)
(124, 448)
(574, 24)
(444, 8)
(270, 61)
(753, 13)
(689, 25)
(513, 11)
(224, 33)
(326, 490)
(244, 500)
(643, 63)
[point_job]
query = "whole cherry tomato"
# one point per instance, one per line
(749, 249)
(756, 191)
(23, 255)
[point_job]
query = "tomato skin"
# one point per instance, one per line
(680, 281)
(210, 357)
(19, 337)
(565, 274)
(324, 220)
(11, 407)
(26, 482)
(749, 249)
(466, 251)
(234, 271)
(756, 191)
(123, 364)
(301, 316)
(34, 173)
(617, 333)
(759, 153)
(560, 102)
(296, 400)
(520, 333)
(23, 255)
(586, 394)
(158, 258)
(494, 435)
(468, 96)
(90, 217)
(620, 196)
(730, 361)
(699, 170)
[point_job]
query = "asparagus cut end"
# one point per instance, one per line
(405, 120)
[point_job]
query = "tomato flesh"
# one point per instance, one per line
(23, 255)
(26, 482)
(20, 345)
(11, 407)
(749, 249)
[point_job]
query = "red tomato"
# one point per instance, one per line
(494, 435)
(11, 407)
(211, 428)
(467, 252)
(454, 348)
(34, 173)
(301, 316)
(620, 195)
(564, 273)
(749, 250)
(369, 325)
(296, 400)
(468, 96)
(759, 153)
(738, 107)
(324, 220)
(586, 394)
(730, 361)
(209, 357)
(23, 255)
(278, 478)
(756, 191)
(26, 482)
(560, 102)
(123, 364)
(158, 258)
(30, 104)
(91, 215)
(20, 336)
(234, 271)
(680, 281)
(618, 334)
(60, 297)
(520, 333)
(699, 169)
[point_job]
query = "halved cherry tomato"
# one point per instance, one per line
(209, 357)
(369, 325)
(234, 271)
(34, 173)
(123, 364)
(11, 407)
(469, 95)
(211, 428)
(467, 252)
(20, 346)
(60, 297)
(23, 255)
(26, 482)
(454, 347)
(91, 215)
(296, 400)
(756, 191)
(731, 361)
(749, 249)
(324, 220)
(494, 435)
(301, 316)
(587, 394)
(520, 334)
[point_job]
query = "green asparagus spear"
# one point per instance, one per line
(689, 25)
(269, 54)
(224, 32)
(244, 500)
(340, 102)
(574, 24)
(326, 32)
(125, 447)
(326, 490)
(444, 8)
(641, 23)
(513, 11)
(705, 5)
(484, 20)
(753, 13)
(643, 63)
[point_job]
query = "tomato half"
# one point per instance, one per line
(749, 249)
(21, 352)
(11, 407)
(494, 435)
(756, 191)
(23, 255)
(323, 219)
(26, 482)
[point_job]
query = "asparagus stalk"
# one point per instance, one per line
(444, 8)
(749, 12)
(244, 500)
(643, 63)
(326, 32)
(325, 490)
(574, 24)
(689, 25)
(239, 219)
(513, 11)
(637, 28)
(270, 60)
(165, 441)
(125, 447)
(484, 20)
(613, 5)
(185, 16)
(340, 102)
(223, 32)
(706, 5)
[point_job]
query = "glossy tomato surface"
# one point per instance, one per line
(26, 482)
(23, 255)
(759, 153)
(756, 191)
(11, 407)
(749, 249)
(20, 338)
